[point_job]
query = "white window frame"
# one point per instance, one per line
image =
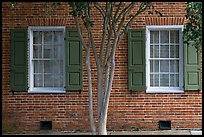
(30, 63)
(181, 57)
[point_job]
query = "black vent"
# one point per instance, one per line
(165, 125)
(45, 125)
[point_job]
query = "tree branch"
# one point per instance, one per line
(126, 27)
(110, 32)
(88, 67)
(100, 9)
(91, 36)
(117, 10)
(78, 28)
(105, 23)
(141, 9)
(119, 16)
(130, 7)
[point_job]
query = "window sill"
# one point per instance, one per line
(42, 92)
(46, 91)
(164, 90)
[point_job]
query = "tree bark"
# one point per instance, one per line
(88, 67)
(100, 93)
(114, 24)
(104, 112)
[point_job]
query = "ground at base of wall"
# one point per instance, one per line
(158, 132)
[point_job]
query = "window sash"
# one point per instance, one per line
(168, 59)
(49, 78)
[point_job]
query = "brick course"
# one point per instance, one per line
(22, 112)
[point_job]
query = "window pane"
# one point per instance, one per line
(164, 66)
(48, 37)
(37, 37)
(151, 65)
(48, 80)
(48, 51)
(58, 66)
(38, 81)
(154, 65)
(174, 36)
(174, 66)
(151, 80)
(156, 51)
(174, 80)
(164, 36)
(58, 80)
(58, 52)
(154, 80)
(38, 66)
(164, 51)
(164, 80)
(48, 66)
(154, 37)
(58, 73)
(57, 37)
(151, 51)
(37, 51)
(174, 51)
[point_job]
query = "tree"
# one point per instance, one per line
(117, 19)
(193, 30)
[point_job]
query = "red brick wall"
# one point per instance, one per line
(22, 112)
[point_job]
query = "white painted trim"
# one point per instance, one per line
(165, 27)
(47, 90)
(164, 91)
(181, 56)
(30, 57)
(181, 66)
(44, 28)
(147, 57)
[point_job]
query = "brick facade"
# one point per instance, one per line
(22, 112)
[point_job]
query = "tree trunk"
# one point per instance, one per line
(88, 67)
(104, 111)
(100, 93)
(102, 128)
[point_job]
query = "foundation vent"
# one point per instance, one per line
(45, 125)
(165, 125)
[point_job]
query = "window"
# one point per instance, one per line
(46, 59)
(164, 59)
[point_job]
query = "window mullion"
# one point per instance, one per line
(43, 63)
(64, 61)
(53, 51)
(159, 57)
(169, 61)
(153, 62)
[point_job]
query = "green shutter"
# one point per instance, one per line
(136, 60)
(18, 76)
(191, 68)
(73, 60)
